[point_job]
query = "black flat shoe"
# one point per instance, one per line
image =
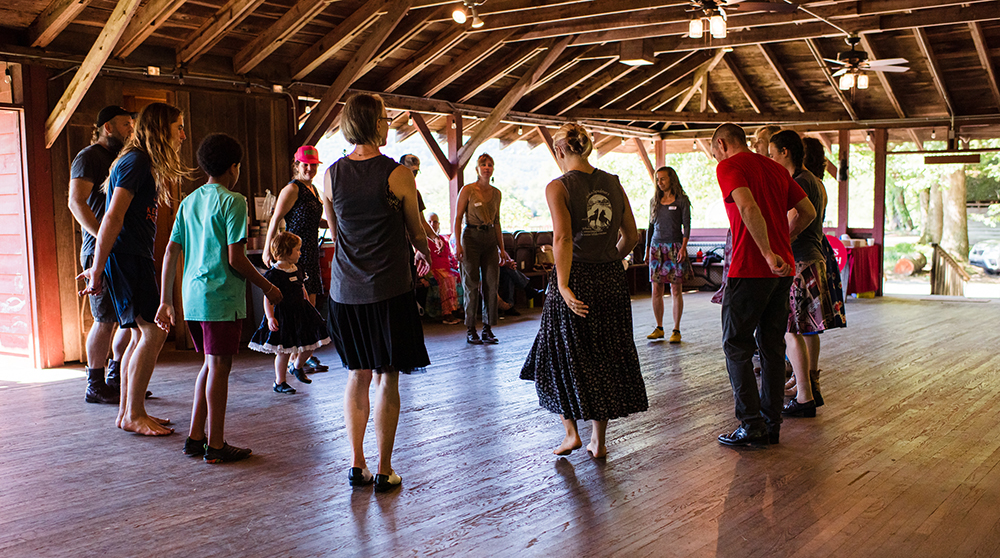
(802, 410)
(773, 435)
(743, 437)
(385, 483)
(489, 338)
(195, 448)
(300, 375)
(360, 477)
(283, 387)
(473, 338)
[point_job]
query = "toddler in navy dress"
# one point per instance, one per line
(293, 327)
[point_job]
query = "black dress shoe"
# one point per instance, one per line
(473, 338)
(360, 477)
(316, 366)
(773, 434)
(743, 437)
(488, 337)
(803, 410)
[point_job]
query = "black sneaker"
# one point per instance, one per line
(300, 375)
(195, 448)
(316, 366)
(488, 336)
(226, 454)
(283, 387)
(473, 338)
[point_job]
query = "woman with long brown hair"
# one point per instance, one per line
(141, 179)
(666, 248)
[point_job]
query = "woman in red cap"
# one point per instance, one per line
(299, 205)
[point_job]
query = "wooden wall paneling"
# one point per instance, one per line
(843, 191)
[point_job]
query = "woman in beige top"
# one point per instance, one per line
(479, 248)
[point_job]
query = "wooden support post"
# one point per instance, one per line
(842, 194)
(644, 156)
(457, 180)
(547, 138)
(881, 139)
(89, 68)
(321, 116)
(432, 144)
(660, 150)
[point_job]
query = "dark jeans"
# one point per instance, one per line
(510, 281)
(756, 308)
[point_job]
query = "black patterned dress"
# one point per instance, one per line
(303, 220)
(587, 367)
(300, 327)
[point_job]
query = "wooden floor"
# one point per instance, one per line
(902, 460)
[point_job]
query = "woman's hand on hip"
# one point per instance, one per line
(577, 306)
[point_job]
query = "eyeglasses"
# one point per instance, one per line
(387, 119)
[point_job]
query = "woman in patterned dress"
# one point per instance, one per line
(584, 362)
(666, 248)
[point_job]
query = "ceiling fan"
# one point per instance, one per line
(852, 63)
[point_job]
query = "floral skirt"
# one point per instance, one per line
(811, 307)
(665, 265)
(447, 289)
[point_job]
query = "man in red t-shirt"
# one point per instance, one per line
(766, 208)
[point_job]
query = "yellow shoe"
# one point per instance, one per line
(657, 334)
(675, 337)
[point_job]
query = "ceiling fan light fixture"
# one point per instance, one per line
(459, 14)
(846, 81)
(476, 22)
(862, 81)
(717, 26)
(696, 28)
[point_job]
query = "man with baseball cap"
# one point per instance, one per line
(86, 202)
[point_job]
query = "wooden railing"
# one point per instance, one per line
(947, 276)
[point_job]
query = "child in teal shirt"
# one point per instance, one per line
(210, 230)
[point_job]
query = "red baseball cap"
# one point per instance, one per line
(307, 154)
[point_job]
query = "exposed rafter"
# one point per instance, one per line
(53, 19)
(147, 20)
(463, 63)
(782, 74)
(286, 27)
(984, 58)
(342, 34)
(214, 29)
(422, 58)
(936, 74)
(882, 78)
(741, 82)
(497, 70)
(814, 49)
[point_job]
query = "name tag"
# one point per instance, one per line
(293, 278)
(478, 204)
(672, 207)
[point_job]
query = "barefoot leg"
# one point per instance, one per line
(140, 369)
(597, 447)
(572, 440)
(357, 408)
(125, 361)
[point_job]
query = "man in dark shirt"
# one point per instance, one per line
(87, 203)
(758, 195)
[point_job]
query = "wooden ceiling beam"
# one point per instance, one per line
(323, 113)
(425, 132)
(345, 32)
(214, 29)
(569, 82)
(53, 20)
(936, 74)
(882, 78)
(749, 118)
(699, 79)
(670, 85)
(89, 69)
(916, 138)
(644, 157)
(297, 17)
(423, 58)
(553, 52)
(814, 49)
(651, 79)
(408, 29)
(497, 70)
(547, 138)
(542, 15)
(741, 82)
(982, 49)
(147, 20)
(782, 74)
(465, 61)
(605, 79)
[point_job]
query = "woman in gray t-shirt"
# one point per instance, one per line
(666, 248)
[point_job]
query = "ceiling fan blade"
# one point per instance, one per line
(835, 61)
(841, 72)
(779, 7)
(887, 69)
(888, 62)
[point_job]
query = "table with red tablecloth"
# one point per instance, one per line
(859, 266)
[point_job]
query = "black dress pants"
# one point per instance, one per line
(755, 317)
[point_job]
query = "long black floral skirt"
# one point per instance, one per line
(588, 368)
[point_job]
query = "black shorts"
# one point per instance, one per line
(102, 308)
(131, 282)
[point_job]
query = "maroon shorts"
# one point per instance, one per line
(216, 338)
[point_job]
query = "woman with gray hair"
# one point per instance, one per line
(370, 202)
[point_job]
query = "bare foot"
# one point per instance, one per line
(568, 444)
(161, 422)
(596, 450)
(145, 426)
(118, 420)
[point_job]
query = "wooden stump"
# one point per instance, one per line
(910, 264)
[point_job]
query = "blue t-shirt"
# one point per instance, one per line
(92, 163)
(208, 221)
(134, 172)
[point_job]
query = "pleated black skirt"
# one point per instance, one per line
(380, 336)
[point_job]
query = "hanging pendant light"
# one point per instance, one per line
(696, 28)
(846, 81)
(862, 81)
(459, 14)
(717, 26)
